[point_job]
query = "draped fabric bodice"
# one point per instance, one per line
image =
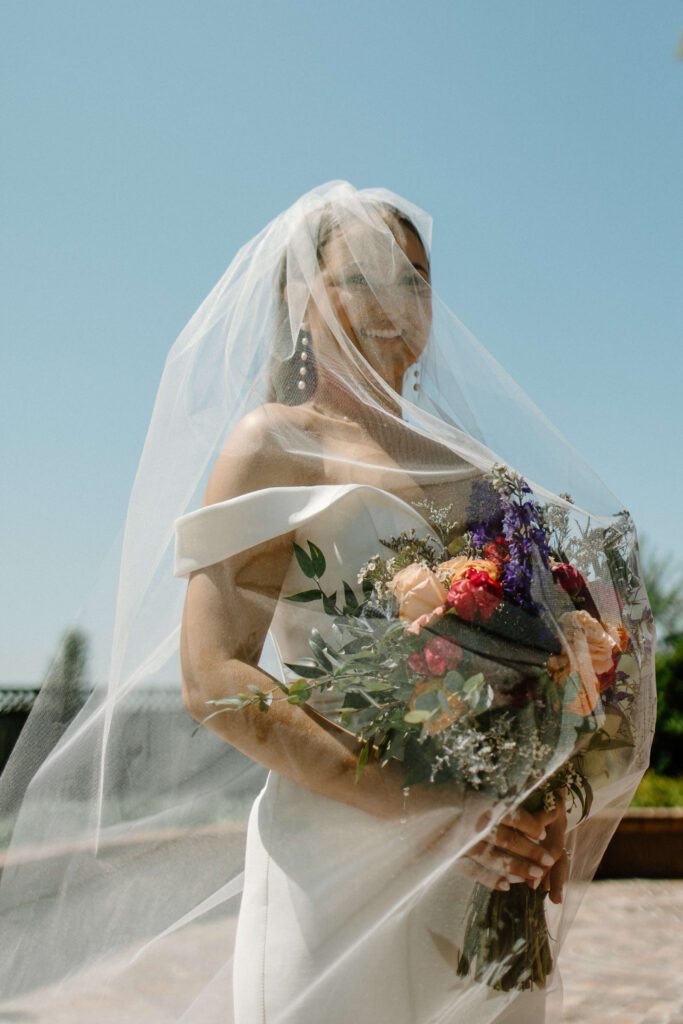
(347, 522)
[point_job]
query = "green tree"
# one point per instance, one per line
(663, 576)
(65, 682)
(59, 700)
(667, 748)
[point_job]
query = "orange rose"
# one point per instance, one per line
(455, 569)
(600, 643)
(586, 649)
(618, 633)
(418, 592)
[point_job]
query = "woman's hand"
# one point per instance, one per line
(556, 830)
(522, 847)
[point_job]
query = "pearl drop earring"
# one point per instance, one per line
(303, 369)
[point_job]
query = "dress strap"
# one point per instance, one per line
(215, 532)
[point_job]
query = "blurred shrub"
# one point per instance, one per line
(667, 748)
(658, 791)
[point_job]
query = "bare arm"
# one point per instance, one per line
(228, 611)
(224, 626)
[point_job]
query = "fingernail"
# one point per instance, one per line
(543, 834)
(516, 878)
(504, 885)
(536, 872)
(536, 882)
(547, 859)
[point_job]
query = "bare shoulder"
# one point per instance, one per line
(259, 453)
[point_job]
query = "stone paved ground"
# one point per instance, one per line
(622, 964)
(623, 960)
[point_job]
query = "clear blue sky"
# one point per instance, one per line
(143, 142)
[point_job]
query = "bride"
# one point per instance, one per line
(337, 920)
(324, 400)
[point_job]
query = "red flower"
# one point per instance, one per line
(607, 679)
(497, 551)
(477, 592)
(569, 578)
(417, 663)
(441, 655)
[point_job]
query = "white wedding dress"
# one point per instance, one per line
(345, 918)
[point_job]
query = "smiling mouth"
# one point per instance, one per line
(382, 332)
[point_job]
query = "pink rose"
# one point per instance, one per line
(417, 591)
(425, 621)
(441, 655)
(476, 593)
(417, 663)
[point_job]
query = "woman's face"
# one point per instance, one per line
(378, 286)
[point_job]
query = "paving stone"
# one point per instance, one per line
(622, 964)
(623, 959)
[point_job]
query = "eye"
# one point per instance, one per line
(415, 281)
(357, 280)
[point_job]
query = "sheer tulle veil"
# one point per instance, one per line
(128, 835)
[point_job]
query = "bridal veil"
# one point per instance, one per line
(128, 836)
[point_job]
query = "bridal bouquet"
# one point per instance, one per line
(481, 658)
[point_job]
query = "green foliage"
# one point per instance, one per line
(658, 791)
(312, 564)
(663, 577)
(667, 748)
(65, 682)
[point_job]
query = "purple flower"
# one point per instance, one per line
(514, 517)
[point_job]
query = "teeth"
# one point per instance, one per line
(390, 332)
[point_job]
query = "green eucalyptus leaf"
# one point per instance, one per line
(417, 717)
(456, 546)
(317, 558)
(428, 701)
(454, 682)
(320, 650)
(363, 759)
(307, 671)
(300, 686)
(572, 687)
(443, 701)
(395, 747)
(305, 561)
(473, 682)
(419, 772)
(588, 802)
(330, 603)
(305, 596)
(350, 599)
